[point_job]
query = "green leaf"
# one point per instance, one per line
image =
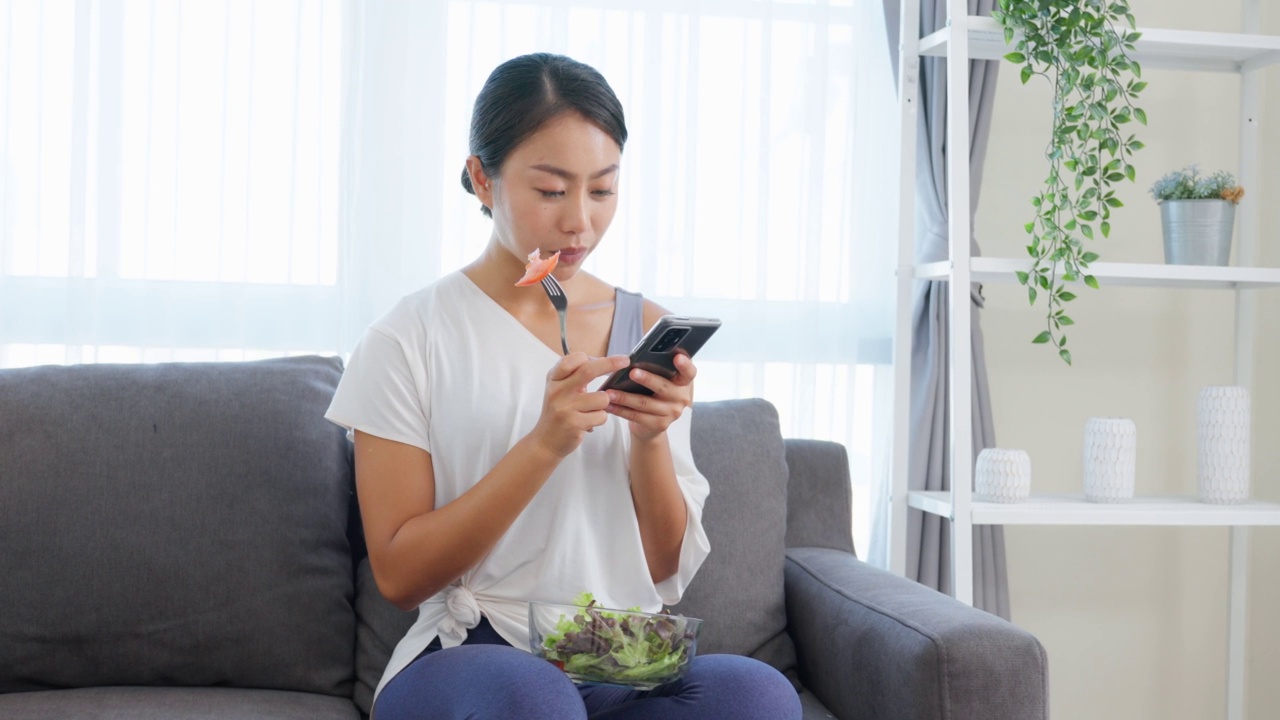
(1026, 74)
(1031, 295)
(1115, 201)
(1091, 281)
(1138, 86)
(1136, 145)
(1065, 355)
(1088, 258)
(1064, 320)
(1130, 173)
(1022, 277)
(1106, 229)
(1030, 227)
(1087, 231)
(1066, 295)
(1016, 57)
(1043, 338)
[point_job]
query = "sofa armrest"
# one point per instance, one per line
(873, 644)
(819, 495)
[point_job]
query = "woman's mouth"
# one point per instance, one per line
(572, 255)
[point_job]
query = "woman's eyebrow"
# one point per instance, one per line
(561, 172)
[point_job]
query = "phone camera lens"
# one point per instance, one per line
(669, 339)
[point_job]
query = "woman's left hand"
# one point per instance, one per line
(651, 415)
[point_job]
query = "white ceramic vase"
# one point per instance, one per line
(1002, 475)
(1222, 434)
(1110, 459)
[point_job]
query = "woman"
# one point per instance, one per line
(489, 469)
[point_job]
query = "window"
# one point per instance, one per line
(231, 179)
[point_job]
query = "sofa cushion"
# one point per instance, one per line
(153, 703)
(175, 524)
(738, 592)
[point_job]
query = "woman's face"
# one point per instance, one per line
(557, 191)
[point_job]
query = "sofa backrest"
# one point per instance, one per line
(176, 524)
(738, 592)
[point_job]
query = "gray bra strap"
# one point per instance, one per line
(628, 322)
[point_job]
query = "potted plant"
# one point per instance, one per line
(1083, 48)
(1197, 214)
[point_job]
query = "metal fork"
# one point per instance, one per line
(561, 303)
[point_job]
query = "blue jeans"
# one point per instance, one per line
(486, 678)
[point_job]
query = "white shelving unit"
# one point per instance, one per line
(980, 38)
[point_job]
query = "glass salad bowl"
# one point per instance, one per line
(616, 647)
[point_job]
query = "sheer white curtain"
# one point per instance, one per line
(229, 179)
(169, 179)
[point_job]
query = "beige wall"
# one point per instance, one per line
(1134, 618)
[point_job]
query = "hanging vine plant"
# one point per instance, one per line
(1083, 48)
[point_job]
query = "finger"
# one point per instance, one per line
(651, 423)
(622, 411)
(688, 371)
(595, 367)
(632, 401)
(567, 365)
(595, 419)
(592, 401)
(658, 384)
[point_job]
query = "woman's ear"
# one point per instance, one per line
(481, 183)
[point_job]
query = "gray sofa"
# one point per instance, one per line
(181, 541)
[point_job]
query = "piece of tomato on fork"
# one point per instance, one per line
(538, 268)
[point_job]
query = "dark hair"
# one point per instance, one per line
(523, 93)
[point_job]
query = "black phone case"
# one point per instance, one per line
(661, 361)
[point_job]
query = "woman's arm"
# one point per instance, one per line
(416, 549)
(660, 506)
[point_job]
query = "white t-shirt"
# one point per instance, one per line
(450, 371)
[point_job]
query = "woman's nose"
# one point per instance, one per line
(576, 219)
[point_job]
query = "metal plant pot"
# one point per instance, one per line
(1197, 232)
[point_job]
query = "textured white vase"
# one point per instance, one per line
(1110, 459)
(1002, 475)
(1222, 434)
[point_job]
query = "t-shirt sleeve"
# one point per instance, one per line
(379, 393)
(694, 487)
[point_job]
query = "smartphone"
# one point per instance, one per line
(656, 351)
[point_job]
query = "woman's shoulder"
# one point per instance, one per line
(651, 312)
(413, 313)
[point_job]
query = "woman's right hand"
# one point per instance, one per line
(568, 410)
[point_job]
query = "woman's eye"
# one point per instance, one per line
(602, 193)
(551, 193)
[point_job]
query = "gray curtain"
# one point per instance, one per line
(929, 536)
